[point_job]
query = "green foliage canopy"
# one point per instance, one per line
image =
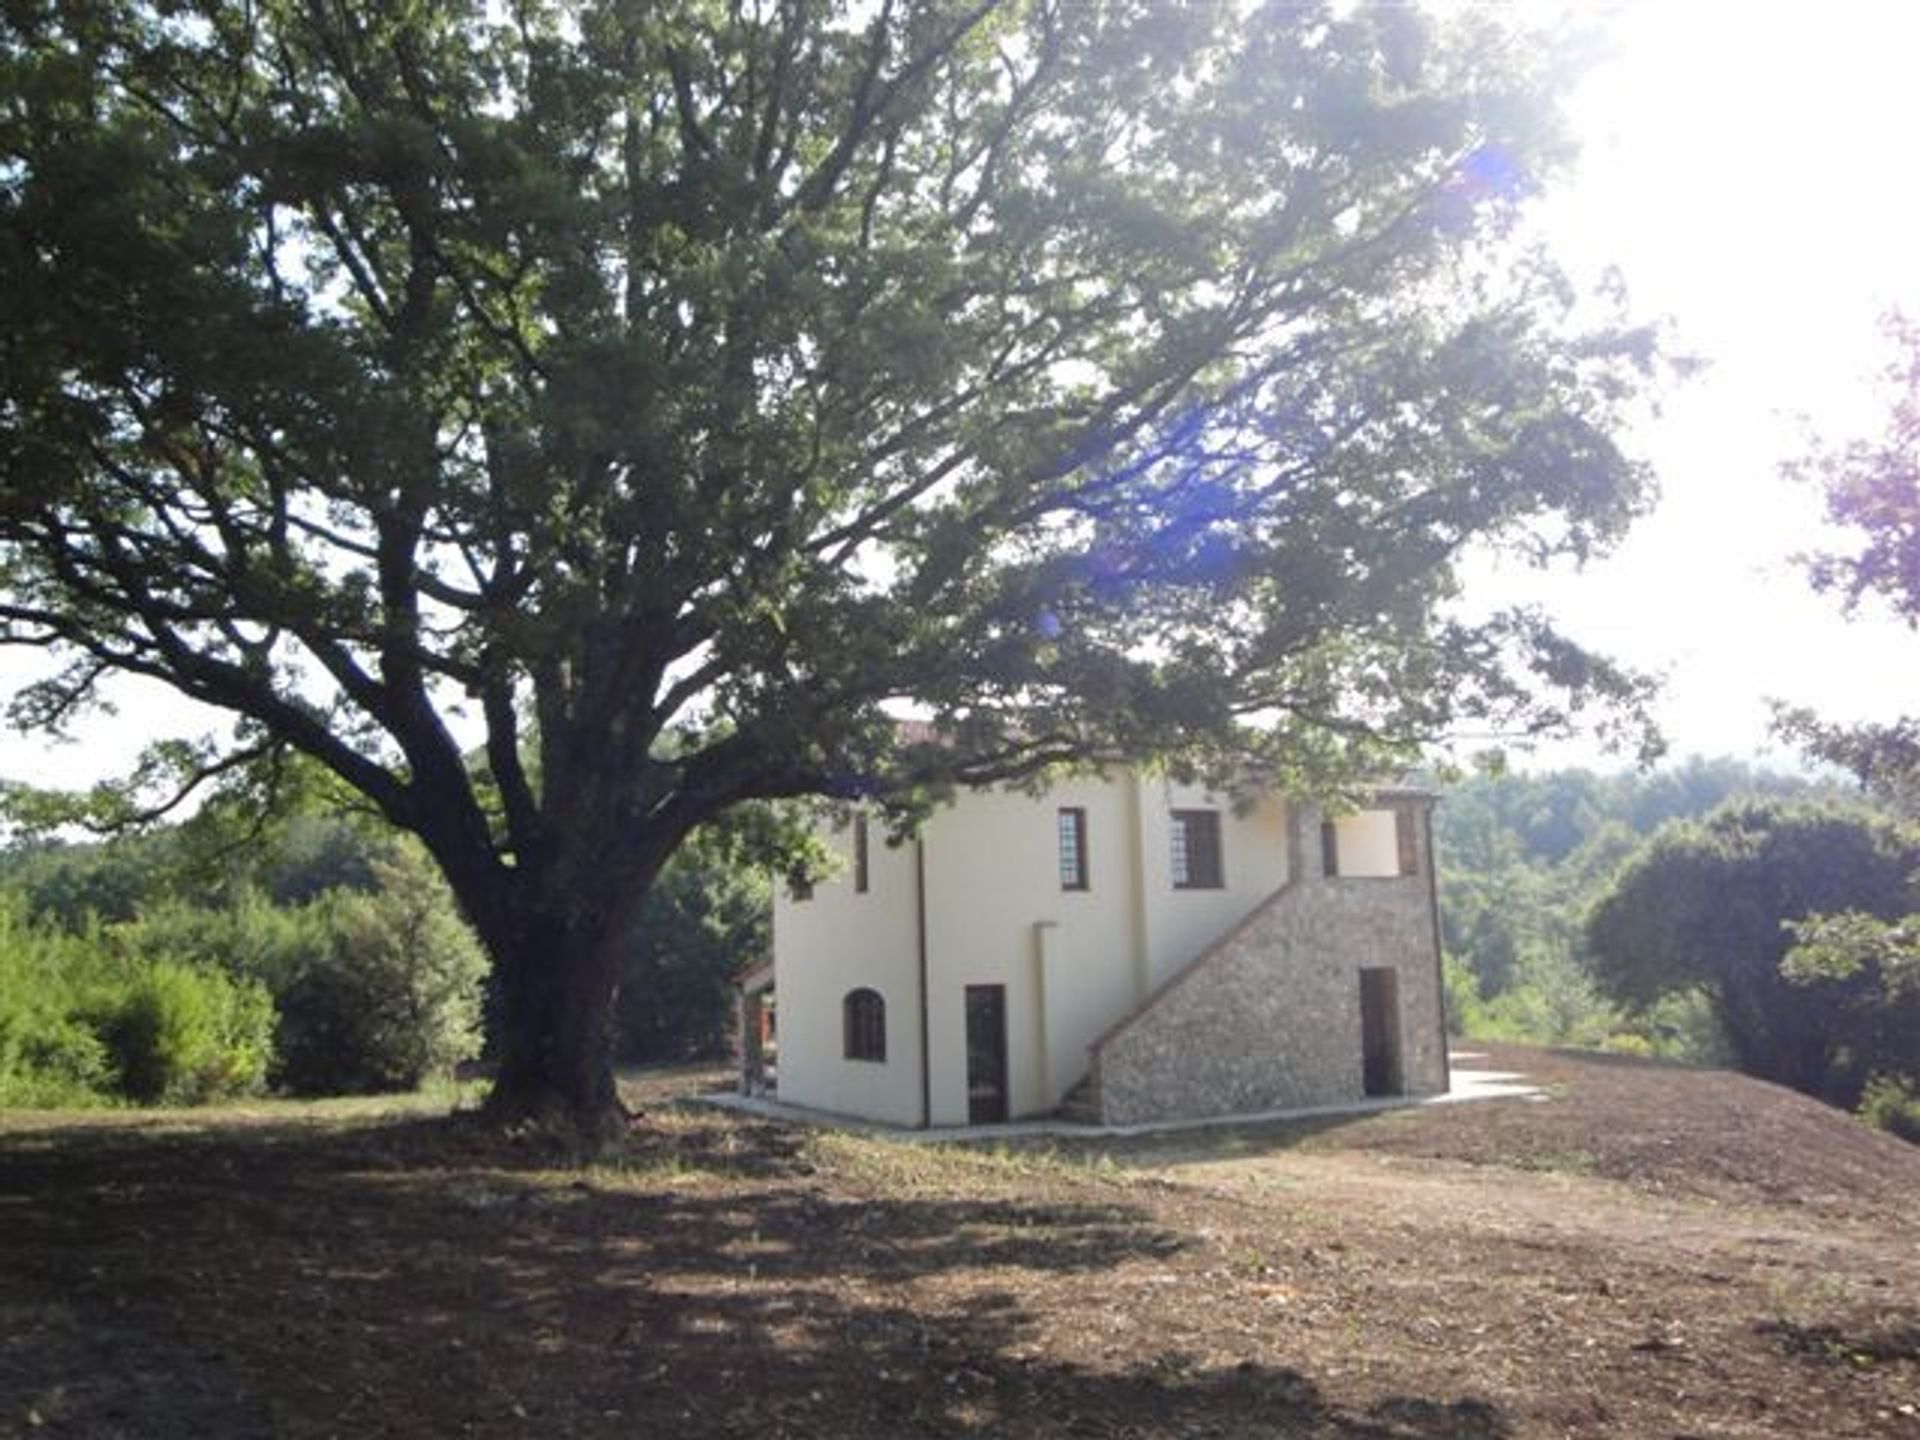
(689, 387)
(1707, 904)
(181, 992)
(1523, 856)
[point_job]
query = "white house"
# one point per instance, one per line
(1123, 948)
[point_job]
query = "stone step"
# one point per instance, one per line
(1081, 1104)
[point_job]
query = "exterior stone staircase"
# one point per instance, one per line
(1081, 1104)
(1268, 1017)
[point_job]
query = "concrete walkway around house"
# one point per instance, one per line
(1468, 1085)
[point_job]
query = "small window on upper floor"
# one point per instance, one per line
(1197, 863)
(860, 854)
(799, 886)
(1073, 848)
(865, 1015)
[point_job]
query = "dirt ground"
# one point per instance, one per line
(1645, 1251)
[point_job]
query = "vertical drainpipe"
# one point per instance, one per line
(920, 927)
(1045, 933)
(1439, 964)
(1142, 958)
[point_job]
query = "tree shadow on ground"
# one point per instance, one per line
(421, 1279)
(1203, 1145)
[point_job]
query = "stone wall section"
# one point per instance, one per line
(1269, 1017)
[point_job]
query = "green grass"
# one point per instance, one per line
(440, 1097)
(915, 1167)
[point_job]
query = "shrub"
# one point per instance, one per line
(181, 1036)
(1892, 1103)
(1626, 1042)
(1552, 1002)
(59, 1062)
(48, 1056)
(1465, 1008)
(391, 996)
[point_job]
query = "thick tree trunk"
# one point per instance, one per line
(553, 1035)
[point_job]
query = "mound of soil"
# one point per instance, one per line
(1661, 1127)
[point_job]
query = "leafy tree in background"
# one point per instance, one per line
(307, 855)
(1872, 489)
(1707, 905)
(1523, 857)
(706, 918)
(285, 848)
(70, 883)
(675, 393)
(1874, 963)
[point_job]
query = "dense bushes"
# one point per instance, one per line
(1522, 859)
(179, 1036)
(318, 958)
(390, 997)
(1892, 1103)
(1707, 906)
(86, 1017)
(357, 989)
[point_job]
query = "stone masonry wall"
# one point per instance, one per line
(1269, 1019)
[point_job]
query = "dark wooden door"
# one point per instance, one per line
(986, 1054)
(1380, 1031)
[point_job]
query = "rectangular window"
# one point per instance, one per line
(1196, 850)
(860, 854)
(1073, 849)
(1329, 849)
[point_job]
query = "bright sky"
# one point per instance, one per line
(1748, 169)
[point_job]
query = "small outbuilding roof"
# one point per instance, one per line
(755, 977)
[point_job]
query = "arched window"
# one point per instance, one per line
(866, 1025)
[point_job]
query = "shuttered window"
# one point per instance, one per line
(1196, 850)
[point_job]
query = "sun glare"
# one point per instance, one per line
(1744, 168)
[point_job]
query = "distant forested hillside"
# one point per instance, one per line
(1522, 859)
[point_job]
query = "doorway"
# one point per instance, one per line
(1380, 1032)
(986, 1054)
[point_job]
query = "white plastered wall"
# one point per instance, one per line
(1253, 848)
(836, 942)
(1072, 963)
(997, 915)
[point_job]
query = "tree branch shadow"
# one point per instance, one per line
(417, 1279)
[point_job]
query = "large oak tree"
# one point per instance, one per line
(660, 398)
